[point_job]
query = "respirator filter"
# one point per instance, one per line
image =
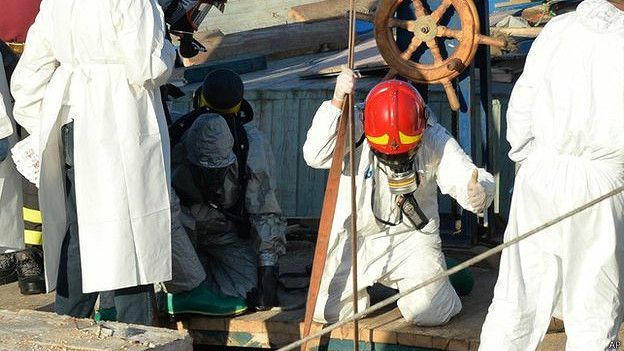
(402, 182)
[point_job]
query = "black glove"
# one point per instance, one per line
(188, 48)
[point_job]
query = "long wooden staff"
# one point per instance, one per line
(330, 200)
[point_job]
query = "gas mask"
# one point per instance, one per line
(394, 123)
(402, 182)
(400, 172)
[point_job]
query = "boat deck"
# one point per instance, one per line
(386, 330)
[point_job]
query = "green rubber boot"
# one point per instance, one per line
(106, 314)
(462, 281)
(203, 301)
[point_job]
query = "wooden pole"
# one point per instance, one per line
(330, 200)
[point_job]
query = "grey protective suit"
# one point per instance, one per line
(205, 176)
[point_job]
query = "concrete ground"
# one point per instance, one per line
(27, 324)
(11, 299)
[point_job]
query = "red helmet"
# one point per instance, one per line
(394, 118)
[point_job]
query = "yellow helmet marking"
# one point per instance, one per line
(380, 140)
(407, 139)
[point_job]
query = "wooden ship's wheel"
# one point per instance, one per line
(426, 29)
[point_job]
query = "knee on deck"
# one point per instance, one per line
(429, 312)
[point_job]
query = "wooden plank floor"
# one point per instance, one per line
(275, 328)
(278, 328)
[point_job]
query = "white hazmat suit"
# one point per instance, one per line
(566, 128)
(398, 256)
(100, 63)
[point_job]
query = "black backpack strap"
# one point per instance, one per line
(241, 150)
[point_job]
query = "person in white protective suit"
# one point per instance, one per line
(407, 157)
(86, 90)
(565, 124)
(11, 221)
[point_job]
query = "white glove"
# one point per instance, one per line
(345, 84)
(477, 198)
(25, 155)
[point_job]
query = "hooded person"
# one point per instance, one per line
(406, 157)
(98, 150)
(208, 149)
(222, 173)
(565, 124)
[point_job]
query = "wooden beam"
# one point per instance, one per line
(240, 65)
(531, 32)
(275, 42)
(327, 9)
(511, 3)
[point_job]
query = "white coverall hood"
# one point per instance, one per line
(565, 124)
(209, 142)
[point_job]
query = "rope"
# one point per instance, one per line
(453, 270)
